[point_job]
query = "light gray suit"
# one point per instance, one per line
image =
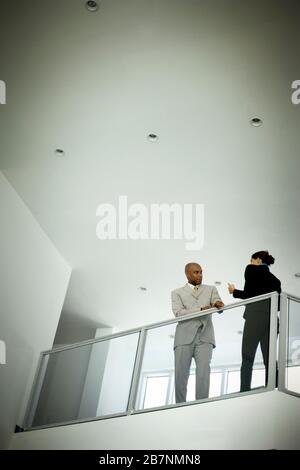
(193, 338)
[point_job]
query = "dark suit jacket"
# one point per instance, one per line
(258, 281)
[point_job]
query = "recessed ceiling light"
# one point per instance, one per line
(152, 137)
(59, 152)
(256, 122)
(297, 274)
(92, 6)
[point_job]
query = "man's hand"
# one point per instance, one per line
(231, 288)
(206, 307)
(218, 304)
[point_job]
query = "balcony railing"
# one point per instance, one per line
(133, 371)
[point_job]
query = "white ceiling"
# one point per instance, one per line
(193, 72)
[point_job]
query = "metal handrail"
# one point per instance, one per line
(190, 316)
(291, 296)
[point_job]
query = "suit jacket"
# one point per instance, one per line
(185, 301)
(258, 281)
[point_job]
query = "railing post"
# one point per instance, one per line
(136, 371)
(283, 335)
(35, 391)
(271, 384)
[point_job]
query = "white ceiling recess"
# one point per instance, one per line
(192, 72)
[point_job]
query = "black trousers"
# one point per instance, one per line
(256, 331)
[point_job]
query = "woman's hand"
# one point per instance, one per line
(231, 288)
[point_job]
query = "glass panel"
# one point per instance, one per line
(87, 381)
(156, 391)
(190, 395)
(293, 379)
(247, 326)
(293, 359)
(95, 380)
(214, 387)
(225, 374)
(233, 381)
(258, 378)
(158, 360)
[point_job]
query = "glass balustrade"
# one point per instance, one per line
(157, 383)
(290, 345)
(83, 382)
(132, 372)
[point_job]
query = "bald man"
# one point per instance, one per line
(194, 338)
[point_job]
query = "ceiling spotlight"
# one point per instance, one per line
(92, 6)
(143, 288)
(59, 152)
(152, 137)
(256, 122)
(297, 274)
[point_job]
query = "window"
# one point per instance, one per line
(156, 391)
(233, 380)
(293, 378)
(158, 388)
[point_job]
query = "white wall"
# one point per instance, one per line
(269, 420)
(33, 283)
(70, 334)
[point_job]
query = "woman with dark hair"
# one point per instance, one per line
(258, 280)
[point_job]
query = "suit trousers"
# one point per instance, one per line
(256, 331)
(202, 353)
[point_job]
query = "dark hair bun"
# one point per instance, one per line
(269, 259)
(264, 256)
